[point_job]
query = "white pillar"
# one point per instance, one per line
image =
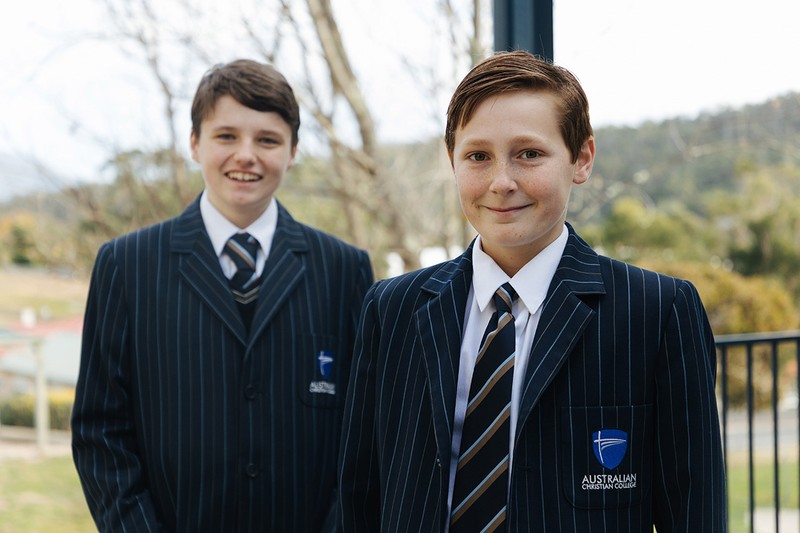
(42, 410)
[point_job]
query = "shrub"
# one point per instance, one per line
(18, 410)
(739, 304)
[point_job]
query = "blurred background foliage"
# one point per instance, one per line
(713, 198)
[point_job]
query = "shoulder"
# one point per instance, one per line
(646, 285)
(120, 260)
(316, 239)
(616, 274)
(142, 239)
(409, 281)
(617, 283)
(416, 287)
(635, 273)
(140, 250)
(324, 240)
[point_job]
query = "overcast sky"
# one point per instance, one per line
(637, 59)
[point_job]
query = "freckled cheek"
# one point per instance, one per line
(472, 184)
(543, 188)
(470, 196)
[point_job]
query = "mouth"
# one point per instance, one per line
(243, 176)
(502, 210)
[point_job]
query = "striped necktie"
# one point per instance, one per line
(480, 494)
(242, 249)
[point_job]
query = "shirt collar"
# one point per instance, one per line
(531, 282)
(220, 229)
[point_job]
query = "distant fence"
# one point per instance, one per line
(41, 414)
(758, 382)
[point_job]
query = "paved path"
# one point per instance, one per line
(764, 521)
(20, 443)
(763, 440)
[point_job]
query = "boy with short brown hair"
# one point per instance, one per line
(217, 344)
(530, 384)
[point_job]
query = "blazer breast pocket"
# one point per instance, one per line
(319, 359)
(607, 455)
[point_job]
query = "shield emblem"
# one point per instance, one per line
(610, 446)
(325, 361)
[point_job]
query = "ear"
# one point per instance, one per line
(291, 158)
(585, 162)
(193, 141)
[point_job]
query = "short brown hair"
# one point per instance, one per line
(255, 85)
(520, 70)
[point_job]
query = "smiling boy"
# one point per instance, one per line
(216, 345)
(530, 384)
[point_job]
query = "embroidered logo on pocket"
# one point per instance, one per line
(325, 360)
(325, 367)
(607, 455)
(610, 446)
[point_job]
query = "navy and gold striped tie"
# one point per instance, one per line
(480, 494)
(242, 249)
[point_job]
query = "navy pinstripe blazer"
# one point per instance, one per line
(617, 348)
(182, 421)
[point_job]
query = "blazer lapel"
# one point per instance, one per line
(564, 318)
(440, 324)
(282, 272)
(199, 267)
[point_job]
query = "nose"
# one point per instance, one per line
(244, 154)
(503, 179)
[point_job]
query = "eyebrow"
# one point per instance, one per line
(259, 132)
(477, 142)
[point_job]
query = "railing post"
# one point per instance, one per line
(774, 362)
(750, 408)
(724, 362)
(524, 25)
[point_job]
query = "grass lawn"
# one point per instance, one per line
(58, 296)
(739, 489)
(42, 496)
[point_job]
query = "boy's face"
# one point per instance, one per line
(514, 174)
(244, 155)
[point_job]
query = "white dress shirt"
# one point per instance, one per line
(531, 284)
(220, 229)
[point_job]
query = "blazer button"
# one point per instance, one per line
(251, 470)
(250, 392)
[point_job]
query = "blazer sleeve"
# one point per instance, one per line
(365, 278)
(689, 493)
(103, 441)
(359, 498)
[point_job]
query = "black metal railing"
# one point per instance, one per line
(758, 383)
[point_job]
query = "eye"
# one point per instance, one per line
(225, 136)
(530, 154)
(478, 156)
(268, 140)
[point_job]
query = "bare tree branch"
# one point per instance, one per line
(137, 21)
(343, 78)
